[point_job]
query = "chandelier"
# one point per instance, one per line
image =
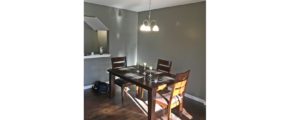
(148, 24)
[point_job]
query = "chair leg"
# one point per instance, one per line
(180, 109)
(169, 114)
(142, 92)
(137, 90)
(122, 94)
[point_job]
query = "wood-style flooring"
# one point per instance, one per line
(101, 107)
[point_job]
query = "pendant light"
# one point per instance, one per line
(148, 24)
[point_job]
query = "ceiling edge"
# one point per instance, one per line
(144, 10)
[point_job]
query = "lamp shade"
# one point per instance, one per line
(142, 27)
(148, 28)
(155, 28)
(147, 23)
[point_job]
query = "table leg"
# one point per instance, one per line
(139, 92)
(112, 85)
(142, 93)
(151, 104)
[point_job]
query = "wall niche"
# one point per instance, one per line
(96, 37)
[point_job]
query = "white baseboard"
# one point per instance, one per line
(88, 86)
(195, 98)
(186, 95)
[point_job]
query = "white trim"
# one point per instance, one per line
(88, 86)
(195, 98)
(97, 56)
(186, 95)
(192, 97)
(95, 23)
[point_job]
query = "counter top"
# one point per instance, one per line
(97, 56)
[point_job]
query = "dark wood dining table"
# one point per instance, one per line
(141, 77)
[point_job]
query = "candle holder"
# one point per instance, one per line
(158, 78)
(150, 68)
(144, 65)
(144, 73)
(138, 71)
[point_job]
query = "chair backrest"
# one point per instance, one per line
(164, 65)
(118, 62)
(179, 87)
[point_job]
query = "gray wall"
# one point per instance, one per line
(95, 69)
(181, 39)
(123, 25)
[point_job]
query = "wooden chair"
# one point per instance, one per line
(118, 62)
(164, 65)
(175, 97)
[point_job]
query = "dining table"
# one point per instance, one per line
(147, 79)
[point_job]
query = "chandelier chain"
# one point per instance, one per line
(149, 10)
(148, 24)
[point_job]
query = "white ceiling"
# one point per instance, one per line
(141, 5)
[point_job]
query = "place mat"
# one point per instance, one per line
(162, 79)
(133, 75)
(125, 68)
(167, 78)
(154, 71)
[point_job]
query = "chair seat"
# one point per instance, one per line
(121, 82)
(163, 98)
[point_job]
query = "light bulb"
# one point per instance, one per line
(142, 27)
(155, 28)
(147, 28)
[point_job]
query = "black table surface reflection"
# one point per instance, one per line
(144, 78)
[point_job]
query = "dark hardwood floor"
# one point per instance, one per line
(101, 107)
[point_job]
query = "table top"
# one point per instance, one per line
(141, 77)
